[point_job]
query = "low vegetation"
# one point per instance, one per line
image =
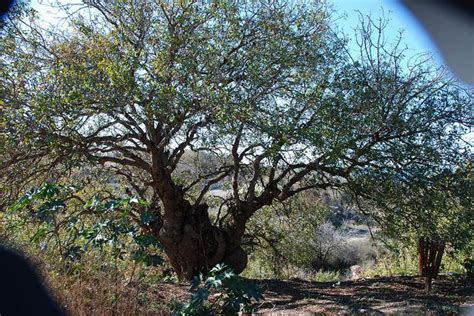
(101, 280)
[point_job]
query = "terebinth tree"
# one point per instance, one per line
(266, 91)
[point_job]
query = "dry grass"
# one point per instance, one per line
(109, 297)
(114, 290)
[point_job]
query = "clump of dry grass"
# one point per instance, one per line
(116, 291)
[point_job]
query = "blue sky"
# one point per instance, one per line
(414, 36)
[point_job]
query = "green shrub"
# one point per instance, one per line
(404, 261)
(391, 264)
(230, 294)
(327, 276)
(469, 266)
(65, 219)
(302, 240)
(277, 232)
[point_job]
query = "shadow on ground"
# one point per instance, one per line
(388, 295)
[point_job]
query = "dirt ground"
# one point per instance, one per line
(403, 295)
(377, 296)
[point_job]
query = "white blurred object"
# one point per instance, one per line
(356, 272)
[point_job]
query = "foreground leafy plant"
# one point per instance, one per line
(220, 292)
(63, 219)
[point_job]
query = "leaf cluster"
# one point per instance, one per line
(220, 292)
(66, 222)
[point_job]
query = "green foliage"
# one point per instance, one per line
(63, 220)
(266, 89)
(439, 209)
(392, 263)
(230, 294)
(403, 260)
(327, 276)
(269, 77)
(277, 233)
(469, 266)
(276, 243)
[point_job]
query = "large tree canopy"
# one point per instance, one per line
(265, 92)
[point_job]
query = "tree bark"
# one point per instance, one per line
(194, 245)
(430, 254)
(191, 242)
(421, 260)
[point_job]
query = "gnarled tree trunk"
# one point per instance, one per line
(193, 245)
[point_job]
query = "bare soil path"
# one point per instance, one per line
(377, 296)
(401, 295)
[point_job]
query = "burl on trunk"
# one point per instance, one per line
(193, 245)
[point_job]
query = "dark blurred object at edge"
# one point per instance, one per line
(5, 5)
(22, 291)
(450, 24)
